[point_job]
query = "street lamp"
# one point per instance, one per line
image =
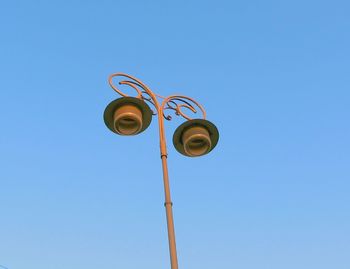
(132, 115)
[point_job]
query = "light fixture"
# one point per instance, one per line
(127, 116)
(131, 116)
(195, 137)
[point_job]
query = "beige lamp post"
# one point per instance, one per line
(131, 116)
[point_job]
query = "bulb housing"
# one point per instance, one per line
(127, 116)
(196, 137)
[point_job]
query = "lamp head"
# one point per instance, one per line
(127, 116)
(196, 137)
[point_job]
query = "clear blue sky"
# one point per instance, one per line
(274, 77)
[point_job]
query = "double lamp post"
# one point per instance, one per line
(132, 115)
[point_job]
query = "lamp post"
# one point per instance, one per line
(131, 115)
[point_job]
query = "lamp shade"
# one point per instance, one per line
(196, 137)
(127, 116)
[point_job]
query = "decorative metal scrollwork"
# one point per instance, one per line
(176, 103)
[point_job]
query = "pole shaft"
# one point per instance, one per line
(168, 203)
(169, 215)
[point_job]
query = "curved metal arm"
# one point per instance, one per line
(177, 102)
(173, 102)
(136, 84)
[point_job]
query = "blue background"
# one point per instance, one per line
(272, 75)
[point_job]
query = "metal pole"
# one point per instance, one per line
(169, 215)
(169, 102)
(168, 203)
